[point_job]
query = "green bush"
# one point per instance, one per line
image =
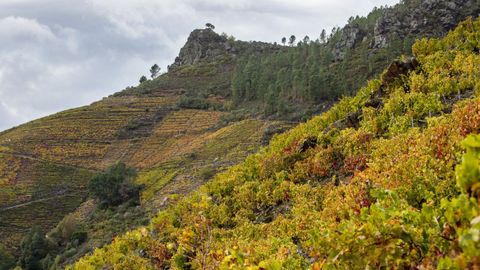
(6, 259)
(114, 186)
(193, 103)
(69, 253)
(34, 248)
(80, 236)
(235, 116)
(207, 173)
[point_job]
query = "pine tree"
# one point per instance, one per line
(306, 40)
(251, 71)
(323, 36)
(34, 248)
(238, 83)
(292, 39)
(154, 71)
(271, 100)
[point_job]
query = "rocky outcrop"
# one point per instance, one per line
(414, 18)
(409, 19)
(203, 44)
(351, 34)
(398, 68)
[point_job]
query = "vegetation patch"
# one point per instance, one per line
(115, 186)
(388, 186)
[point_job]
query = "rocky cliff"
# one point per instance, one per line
(425, 18)
(203, 44)
(407, 20)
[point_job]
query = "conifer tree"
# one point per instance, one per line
(292, 39)
(154, 71)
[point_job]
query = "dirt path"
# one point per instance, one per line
(48, 161)
(37, 201)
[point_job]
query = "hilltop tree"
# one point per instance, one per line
(292, 39)
(210, 26)
(154, 70)
(351, 20)
(143, 79)
(323, 36)
(284, 40)
(306, 39)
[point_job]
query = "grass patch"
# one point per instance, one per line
(154, 180)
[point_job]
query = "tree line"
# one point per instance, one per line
(309, 72)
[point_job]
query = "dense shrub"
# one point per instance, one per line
(79, 237)
(193, 103)
(6, 259)
(34, 249)
(207, 173)
(115, 186)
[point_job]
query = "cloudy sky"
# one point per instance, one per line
(59, 54)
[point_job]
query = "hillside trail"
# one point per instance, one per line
(23, 156)
(66, 194)
(47, 198)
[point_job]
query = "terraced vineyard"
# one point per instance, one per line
(40, 193)
(178, 134)
(80, 137)
(46, 164)
(197, 162)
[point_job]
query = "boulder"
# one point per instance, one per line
(398, 68)
(309, 142)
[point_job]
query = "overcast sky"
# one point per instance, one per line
(60, 54)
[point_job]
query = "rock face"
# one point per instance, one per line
(425, 18)
(409, 19)
(203, 44)
(350, 36)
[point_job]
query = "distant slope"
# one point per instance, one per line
(46, 164)
(49, 161)
(301, 80)
(371, 183)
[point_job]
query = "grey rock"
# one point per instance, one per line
(350, 36)
(409, 19)
(429, 18)
(202, 44)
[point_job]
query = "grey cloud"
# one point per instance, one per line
(59, 54)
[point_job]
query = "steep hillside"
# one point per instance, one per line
(301, 80)
(219, 102)
(297, 80)
(378, 181)
(46, 164)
